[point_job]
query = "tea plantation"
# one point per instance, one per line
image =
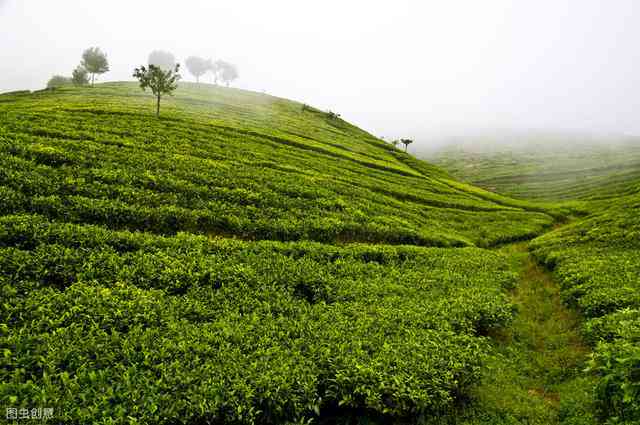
(551, 167)
(596, 259)
(597, 262)
(244, 259)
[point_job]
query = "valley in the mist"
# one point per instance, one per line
(543, 165)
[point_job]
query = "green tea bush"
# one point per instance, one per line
(276, 180)
(238, 261)
(597, 261)
(385, 329)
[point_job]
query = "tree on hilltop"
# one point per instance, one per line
(162, 59)
(58, 81)
(95, 62)
(159, 81)
(197, 66)
(406, 143)
(216, 69)
(80, 76)
(229, 73)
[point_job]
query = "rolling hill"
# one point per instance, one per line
(545, 167)
(237, 163)
(248, 259)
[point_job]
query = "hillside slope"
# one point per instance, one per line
(596, 259)
(597, 263)
(547, 168)
(239, 260)
(234, 163)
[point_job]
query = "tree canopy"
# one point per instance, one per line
(58, 81)
(229, 73)
(162, 59)
(158, 80)
(216, 69)
(406, 143)
(95, 62)
(80, 76)
(197, 66)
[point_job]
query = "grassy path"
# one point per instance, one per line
(534, 375)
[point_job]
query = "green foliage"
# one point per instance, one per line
(617, 365)
(160, 81)
(555, 169)
(80, 76)
(15, 93)
(239, 261)
(58, 81)
(95, 62)
(533, 375)
(246, 171)
(597, 261)
(387, 329)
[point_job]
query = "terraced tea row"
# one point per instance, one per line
(548, 169)
(240, 260)
(118, 167)
(108, 324)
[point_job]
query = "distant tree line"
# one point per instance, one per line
(405, 142)
(220, 70)
(160, 75)
(92, 62)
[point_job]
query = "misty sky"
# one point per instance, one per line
(396, 68)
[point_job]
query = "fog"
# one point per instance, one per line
(419, 69)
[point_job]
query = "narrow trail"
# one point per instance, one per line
(534, 375)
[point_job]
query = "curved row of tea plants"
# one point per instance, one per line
(216, 265)
(229, 162)
(557, 168)
(106, 325)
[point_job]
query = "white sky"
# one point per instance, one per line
(397, 68)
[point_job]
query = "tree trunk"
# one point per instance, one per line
(158, 107)
(93, 76)
(405, 147)
(197, 79)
